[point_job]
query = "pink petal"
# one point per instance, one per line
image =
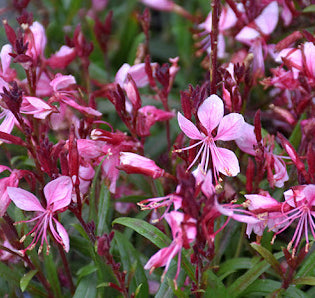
(247, 35)
(225, 161)
(64, 235)
(85, 110)
(309, 52)
(245, 218)
(162, 257)
(227, 19)
(5, 57)
(309, 192)
(260, 201)
(247, 140)
(62, 58)
(165, 5)
(121, 74)
(230, 127)
(61, 82)
(268, 19)
(8, 121)
(58, 192)
(190, 130)
(24, 199)
(37, 42)
(210, 112)
(207, 186)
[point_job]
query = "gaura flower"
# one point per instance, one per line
(300, 201)
(275, 165)
(58, 196)
(133, 163)
(298, 206)
(184, 232)
(210, 114)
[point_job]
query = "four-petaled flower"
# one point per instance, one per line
(184, 232)
(210, 114)
(58, 196)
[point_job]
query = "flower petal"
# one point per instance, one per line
(230, 127)
(268, 19)
(189, 129)
(211, 112)
(58, 192)
(225, 161)
(259, 201)
(63, 235)
(247, 140)
(24, 199)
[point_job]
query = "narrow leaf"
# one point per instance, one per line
(268, 256)
(52, 275)
(104, 208)
(25, 280)
(145, 229)
(249, 277)
(306, 280)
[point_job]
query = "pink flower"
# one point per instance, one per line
(184, 232)
(62, 58)
(12, 180)
(6, 72)
(137, 73)
(301, 199)
(262, 203)
(255, 33)
(210, 114)
(37, 40)
(148, 116)
(133, 163)
(172, 199)
(165, 5)
(60, 85)
(301, 60)
(36, 107)
(227, 20)
(247, 142)
(58, 196)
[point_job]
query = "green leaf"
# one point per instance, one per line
(215, 287)
(243, 282)
(86, 288)
(262, 287)
(310, 8)
(306, 280)
(25, 280)
(86, 270)
(128, 256)
(92, 198)
(159, 187)
(296, 135)
(80, 229)
(308, 266)
(268, 256)
(104, 210)
(52, 275)
(145, 229)
(232, 265)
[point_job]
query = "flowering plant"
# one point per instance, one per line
(101, 184)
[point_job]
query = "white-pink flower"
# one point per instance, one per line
(210, 114)
(58, 196)
(184, 232)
